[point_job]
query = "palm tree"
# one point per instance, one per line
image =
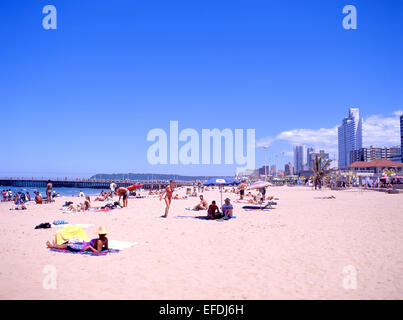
(320, 168)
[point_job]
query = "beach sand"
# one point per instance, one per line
(296, 251)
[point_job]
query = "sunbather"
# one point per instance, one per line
(95, 245)
(329, 197)
(202, 205)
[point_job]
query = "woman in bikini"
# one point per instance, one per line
(95, 245)
(168, 197)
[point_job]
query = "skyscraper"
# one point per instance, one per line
(349, 136)
(289, 169)
(298, 158)
(273, 170)
(309, 152)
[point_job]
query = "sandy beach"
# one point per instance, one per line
(296, 251)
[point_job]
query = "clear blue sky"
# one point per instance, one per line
(81, 99)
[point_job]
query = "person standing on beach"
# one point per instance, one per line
(242, 188)
(49, 187)
(123, 192)
(168, 197)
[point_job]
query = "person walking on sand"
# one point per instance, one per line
(49, 187)
(168, 197)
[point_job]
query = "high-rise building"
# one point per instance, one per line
(298, 158)
(309, 152)
(374, 153)
(273, 170)
(322, 154)
(349, 136)
(265, 170)
(289, 169)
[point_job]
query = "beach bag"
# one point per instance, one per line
(45, 225)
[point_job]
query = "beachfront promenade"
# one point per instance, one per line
(85, 183)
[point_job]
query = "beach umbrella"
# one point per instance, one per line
(259, 185)
(134, 186)
(221, 181)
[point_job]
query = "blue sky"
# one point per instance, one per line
(81, 99)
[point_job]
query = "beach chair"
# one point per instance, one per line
(268, 205)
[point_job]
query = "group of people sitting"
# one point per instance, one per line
(213, 211)
(85, 206)
(104, 196)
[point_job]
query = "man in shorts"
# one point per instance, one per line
(123, 192)
(242, 188)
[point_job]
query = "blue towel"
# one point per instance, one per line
(57, 222)
(202, 218)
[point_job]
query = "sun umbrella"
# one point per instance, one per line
(259, 185)
(134, 186)
(221, 182)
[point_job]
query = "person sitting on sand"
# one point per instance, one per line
(87, 204)
(202, 205)
(95, 245)
(253, 200)
(227, 209)
(38, 198)
(213, 211)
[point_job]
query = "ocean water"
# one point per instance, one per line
(68, 192)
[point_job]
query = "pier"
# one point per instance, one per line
(86, 183)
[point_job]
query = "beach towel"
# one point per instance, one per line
(57, 222)
(120, 245)
(203, 218)
(266, 210)
(69, 232)
(82, 225)
(88, 252)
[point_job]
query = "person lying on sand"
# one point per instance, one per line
(179, 198)
(202, 205)
(95, 245)
(330, 197)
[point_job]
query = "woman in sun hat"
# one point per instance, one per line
(95, 245)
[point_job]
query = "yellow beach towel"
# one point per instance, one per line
(70, 232)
